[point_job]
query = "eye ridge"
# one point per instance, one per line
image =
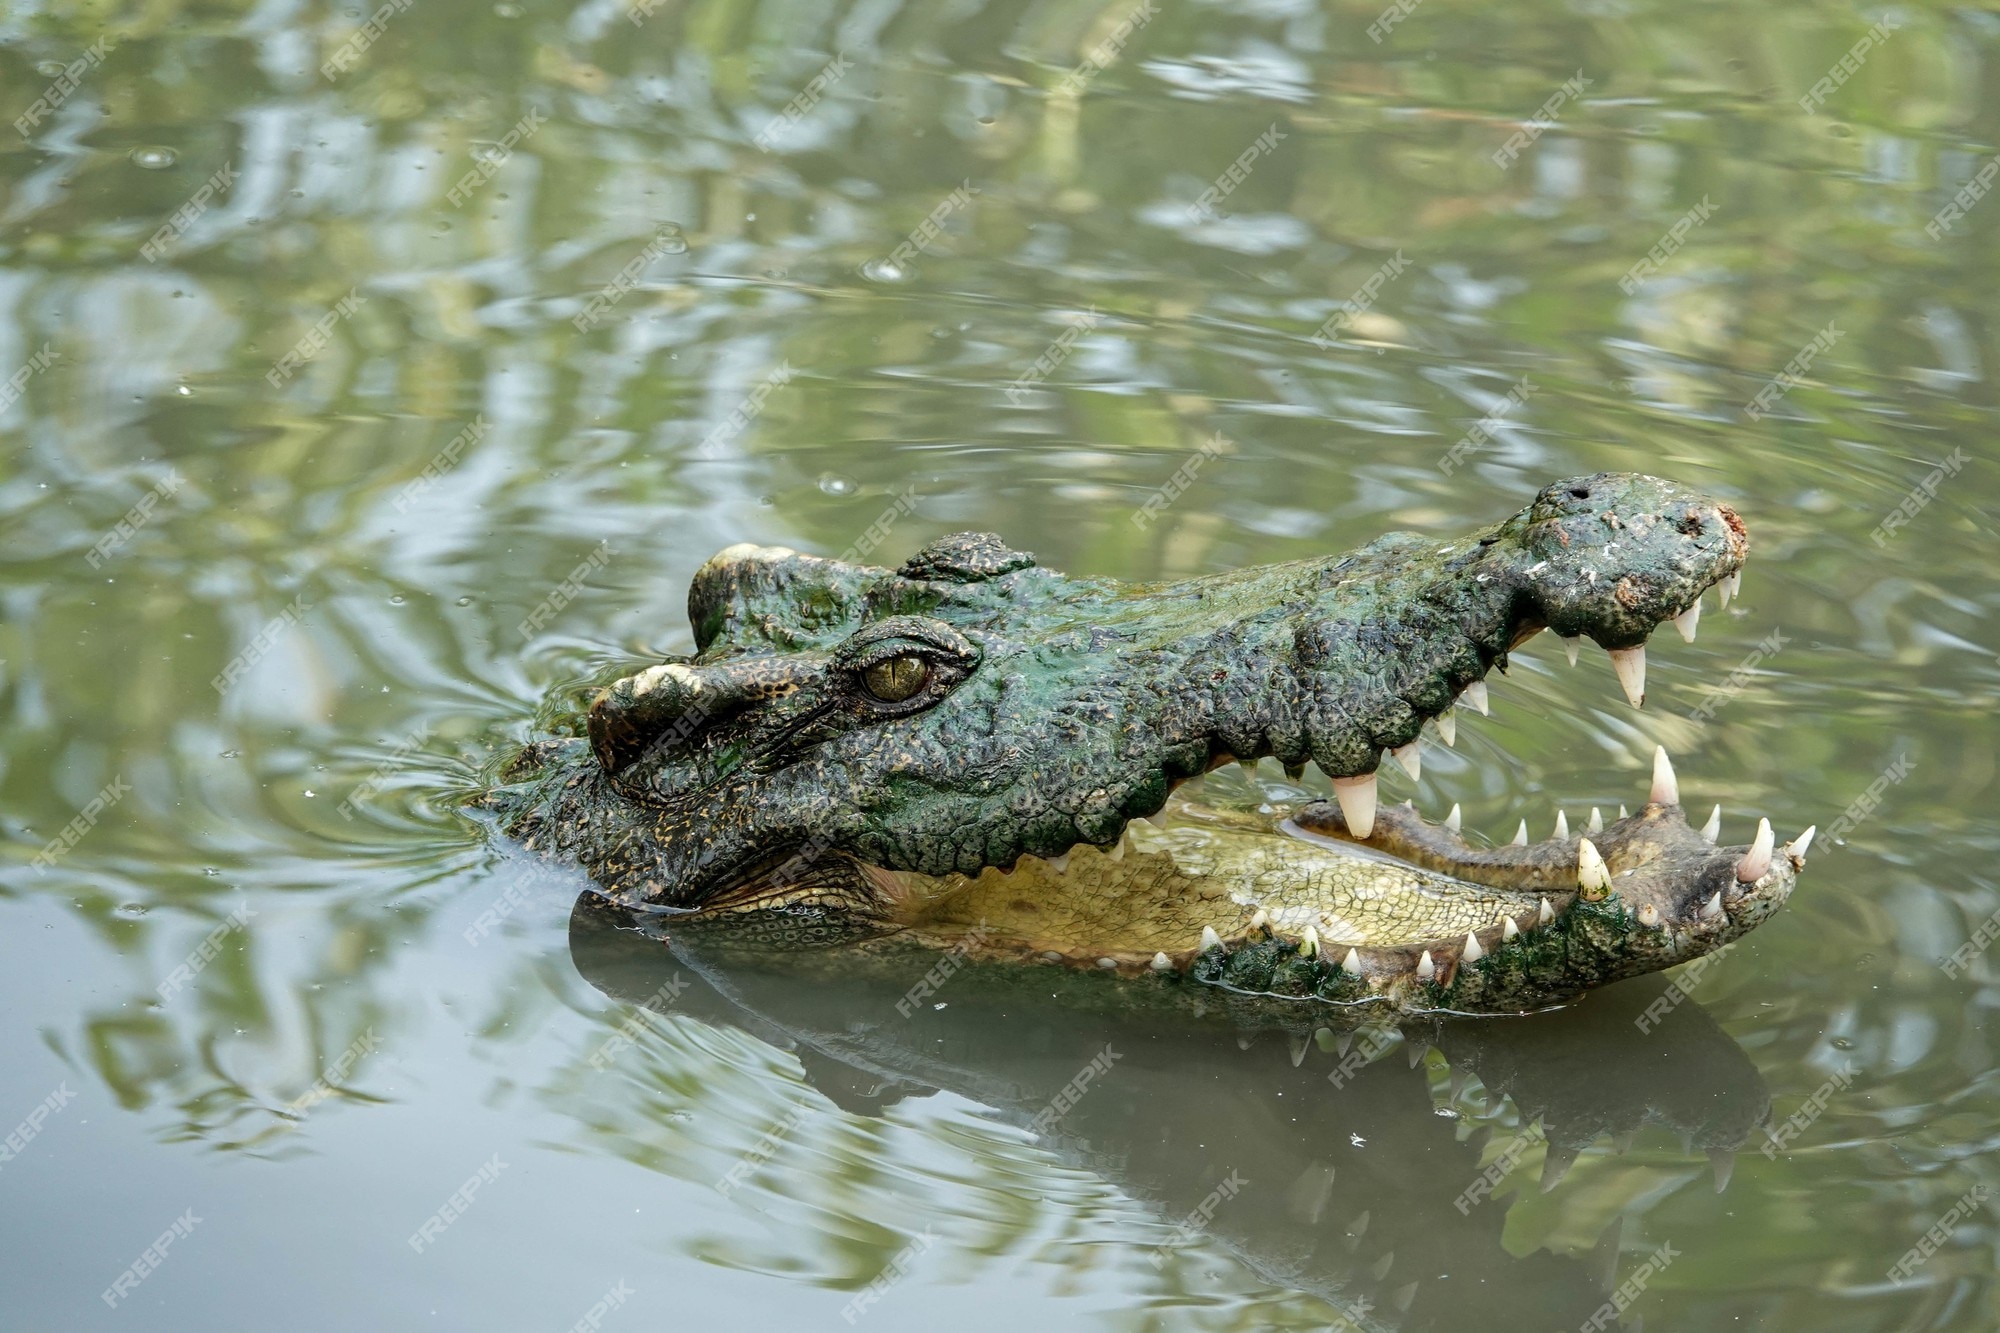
(894, 680)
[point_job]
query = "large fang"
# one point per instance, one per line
(1562, 826)
(1630, 664)
(1473, 953)
(1756, 863)
(1521, 835)
(1162, 963)
(1730, 585)
(1797, 849)
(1357, 803)
(1060, 862)
(1712, 909)
(1687, 620)
(1351, 964)
(1448, 727)
(1596, 824)
(1475, 694)
(1666, 790)
(1411, 758)
(1593, 877)
(1713, 828)
(1454, 821)
(1570, 647)
(1426, 969)
(1309, 946)
(1509, 930)
(1545, 913)
(1209, 939)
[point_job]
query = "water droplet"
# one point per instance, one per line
(397, 600)
(883, 270)
(311, 792)
(463, 601)
(131, 911)
(832, 483)
(672, 240)
(184, 391)
(231, 754)
(154, 157)
(441, 229)
(49, 67)
(1843, 1043)
(507, 11)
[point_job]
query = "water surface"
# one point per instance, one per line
(450, 341)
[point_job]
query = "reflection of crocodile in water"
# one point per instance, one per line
(1375, 1194)
(967, 750)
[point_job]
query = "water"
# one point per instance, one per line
(514, 293)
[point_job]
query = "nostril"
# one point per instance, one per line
(1580, 492)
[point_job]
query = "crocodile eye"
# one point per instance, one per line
(896, 679)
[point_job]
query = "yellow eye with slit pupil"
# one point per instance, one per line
(896, 679)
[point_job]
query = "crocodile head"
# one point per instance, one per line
(859, 748)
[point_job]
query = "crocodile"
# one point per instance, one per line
(976, 754)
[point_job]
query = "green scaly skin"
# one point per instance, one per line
(867, 757)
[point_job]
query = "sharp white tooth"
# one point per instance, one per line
(1666, 788)
(1117, 852)
(1509, 930)
(1803, 841)
(1162, 963)
(1352, 963)
(1061, 863)
(1562, 825)
(1630, 664)
(1453, 821)
(1475, 694)
(1309, 946)
(1649, 915)
(1157, 821)
(1735, 585)
(1592, 875)
(1623, 813)
(1712, 909)
(1357, 803)
(1596, 824)
(1545, 913)
(1473, 953)
(1571, 644)
(1299, 1040)
(1687, 620)
(1521, 835)
(1259, 921)
(1756, 863)
(1448, 727)
(1411, 758)
(1713, 828)
(1209, 939)
(1426, 969)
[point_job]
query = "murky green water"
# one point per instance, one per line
(517, 291)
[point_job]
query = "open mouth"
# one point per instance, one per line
(1350, 902)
